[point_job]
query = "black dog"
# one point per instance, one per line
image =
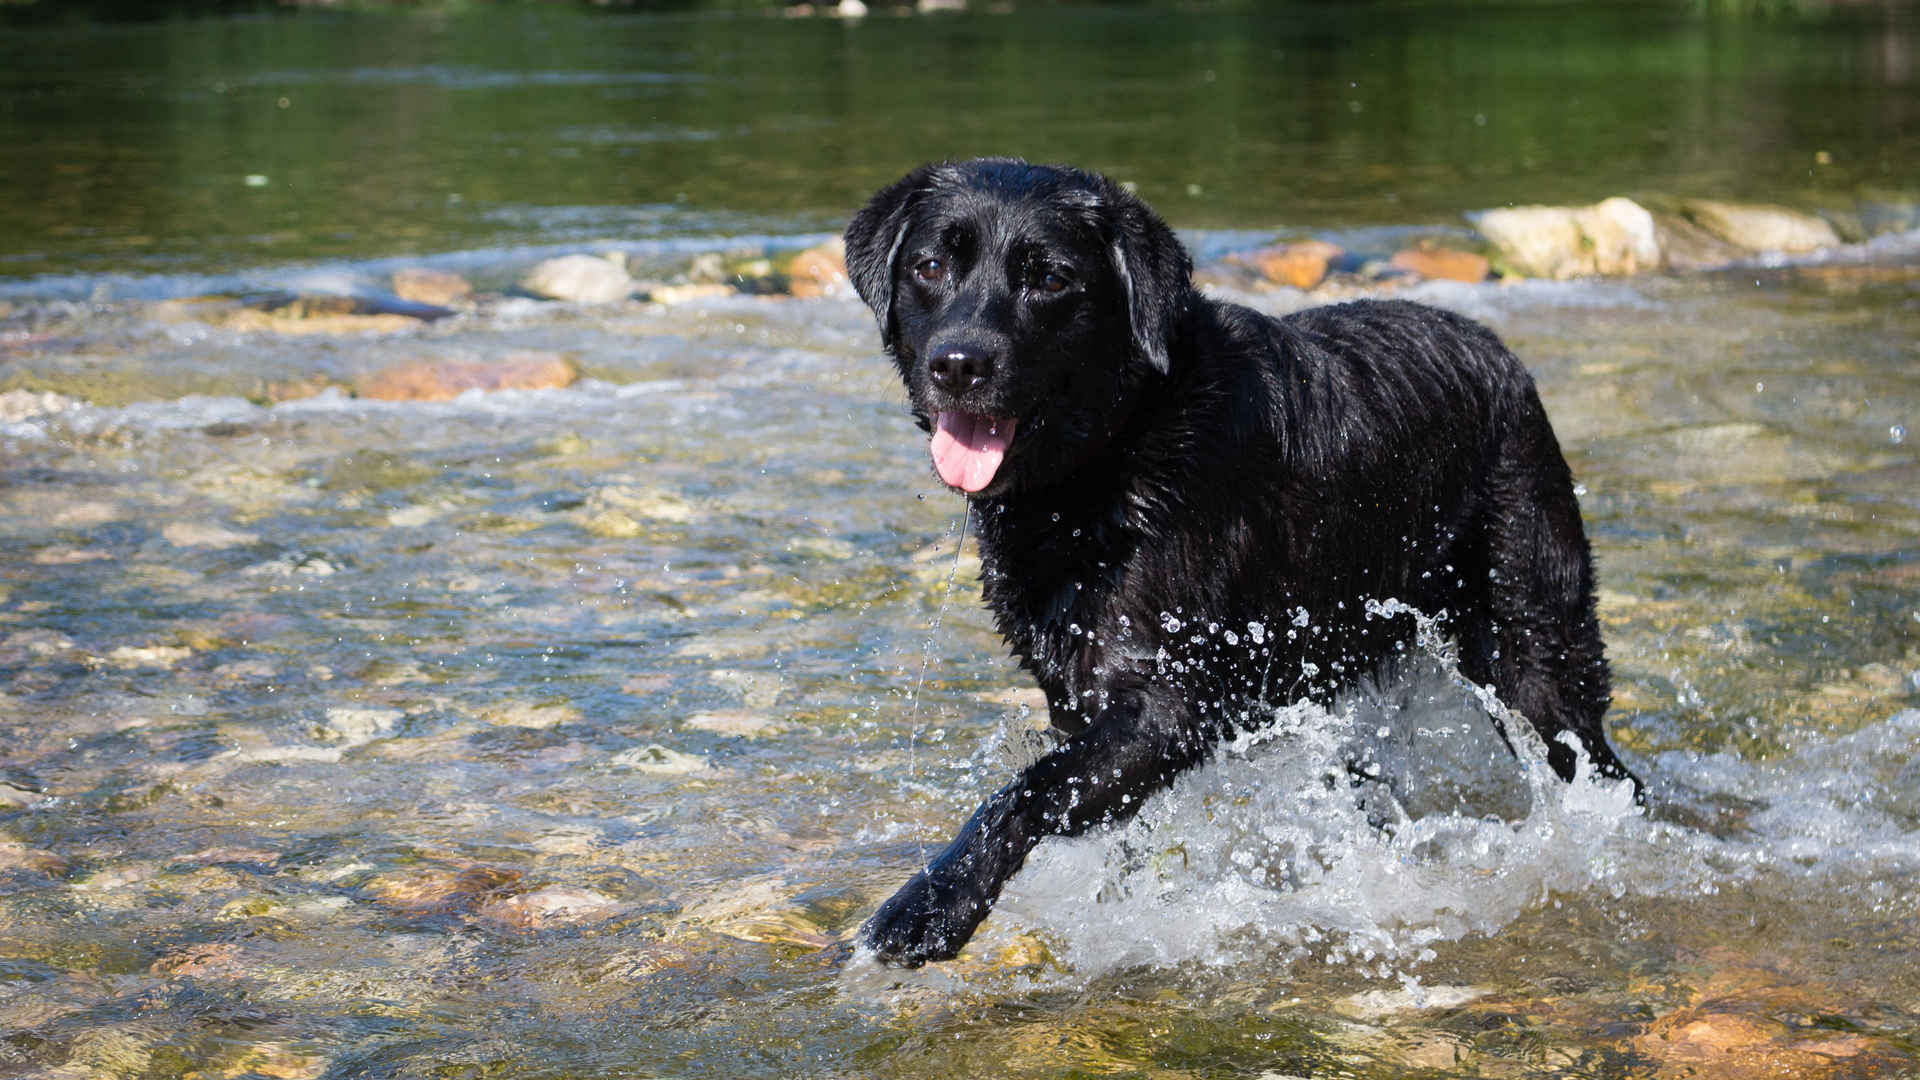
(1163, 484)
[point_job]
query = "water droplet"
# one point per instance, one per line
(1898, 433)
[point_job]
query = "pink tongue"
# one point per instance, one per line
(968, 448)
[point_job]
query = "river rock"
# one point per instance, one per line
(680, 294)
(16, 856)
(1729, 1041)
(350, 726)
(1614, 236)
(740, 723)
(132, 657)
(1443, 264)
(1881, 218)
(440, 890)
(658, 760)
(819, 271)
(1229, 275)
(17, 405)
(443, 380)
(1686, 247)
(303, 316)
(263, 1061)
(424, 286)
(213, 959)
(1378, 1004)
(553, 905)
(1762, 228)
(1302, 265)
(205, 534)
(581, 279)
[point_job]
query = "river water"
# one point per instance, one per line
(570, 732)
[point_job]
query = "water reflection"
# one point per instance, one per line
(368, 133)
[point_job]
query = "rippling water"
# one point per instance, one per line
(571, 732)
(563, 733)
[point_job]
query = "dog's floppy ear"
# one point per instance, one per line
(874, 237)
(1156, 272)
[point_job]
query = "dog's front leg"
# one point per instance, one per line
(1102, 774)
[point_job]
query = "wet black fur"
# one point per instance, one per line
(1184, 468)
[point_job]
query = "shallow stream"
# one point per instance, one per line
(571, 732)
(563, 732)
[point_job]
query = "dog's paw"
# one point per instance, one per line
(925, 920)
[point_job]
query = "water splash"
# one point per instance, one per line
(1360, 835)
(1366, 834)
(926, 655)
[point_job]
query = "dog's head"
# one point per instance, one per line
(1027, 306)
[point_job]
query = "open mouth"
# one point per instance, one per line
(968, 448)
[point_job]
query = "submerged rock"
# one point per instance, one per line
(1376, 1004)
(819, 271)
(287, 313)
(131, 657)
(351, 726)
(271, 1060)
(658, 760)
(440, 287)
(205, 534)
(551, 906)
(1302, 265)
(1615, 236)
(1444, 264)
(624, 512)
(736, 722)
(1686, 247)
(16, 856)
(440, 890)
(214, 959)
(581, 279)
(1762, 228)
(17, 405)
(443, 380)
(680, 294)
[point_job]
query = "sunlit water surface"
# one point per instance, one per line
(572, 732)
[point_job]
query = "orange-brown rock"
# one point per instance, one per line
(440, 890)
(423, 286)
(819, 271)
(1737, 1045)
(553, 905)
(1302, 265)
(207, 960)
(441, 380)
(1444, 264)
(294, 389)
(33, 860)
(1747, 1022)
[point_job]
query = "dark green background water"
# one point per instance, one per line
(128, 146)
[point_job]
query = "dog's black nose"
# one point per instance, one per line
(959, 368)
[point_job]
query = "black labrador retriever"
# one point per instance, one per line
(1165, 485)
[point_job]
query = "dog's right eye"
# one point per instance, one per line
(930, 270)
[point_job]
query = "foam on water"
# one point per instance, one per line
(1364, 834)
(1279, 849)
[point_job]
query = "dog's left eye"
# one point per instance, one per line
(930, 270)
(1050, 282)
